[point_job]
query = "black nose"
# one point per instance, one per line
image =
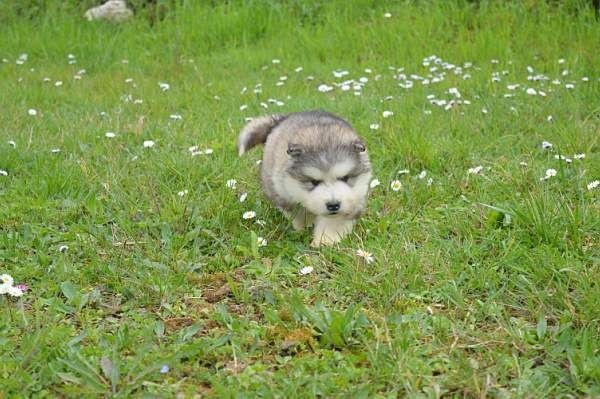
(333, 206)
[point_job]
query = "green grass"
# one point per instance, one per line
(483, 285)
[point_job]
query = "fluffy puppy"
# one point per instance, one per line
(315, 169)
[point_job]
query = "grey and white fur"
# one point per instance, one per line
(315, 169)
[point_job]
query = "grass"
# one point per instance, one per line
(483, 285)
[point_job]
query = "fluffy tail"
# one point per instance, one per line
(256, 132)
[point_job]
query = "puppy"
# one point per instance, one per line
(315, 169)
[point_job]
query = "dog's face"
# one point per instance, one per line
(332, 181)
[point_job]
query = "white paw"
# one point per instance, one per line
(324, 239)
(301, 220)
(298, 223)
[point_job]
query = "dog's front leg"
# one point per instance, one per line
(300, 217)
(330, 230)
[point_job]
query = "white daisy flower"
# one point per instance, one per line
(454, 91)
(149, 143)
(422, 174)
(549, 173)
(249, 215)
(22, 58)
(243, 197)
(175, 117)
(32, 112)
(3, 172)
(549, 118)
(387, 114)
(164, 86)
(208, 151)
(6, 279)
(55, 150)
(531, 91)
(231, 183)
(475, 171)
(403, 172)
(339, 74)
(63, 248)
(593, 185)
(387, 15)
(374, 126)
(110, 135)
(262, 242)
(58, 83)
(243, 107)
(367, 256)
(522, 163)
(396, 185)
(579, 156)
(374, 183)
(182, 193)
(14, 291)
(299, 69)
(275, 61)
(563, 158)
(325, 88)
(12, 143)
(546, 145)
(306, 270)
(569, 86)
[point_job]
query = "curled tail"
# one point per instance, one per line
(256, 132)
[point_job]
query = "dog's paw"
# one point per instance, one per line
(298, 223)
(324, 240)
(301, 220)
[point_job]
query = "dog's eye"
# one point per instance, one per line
(315, 183)
(344, 179)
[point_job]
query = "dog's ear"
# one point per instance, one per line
(294, 150)
(359, 146)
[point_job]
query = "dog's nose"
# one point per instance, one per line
(333, 206)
